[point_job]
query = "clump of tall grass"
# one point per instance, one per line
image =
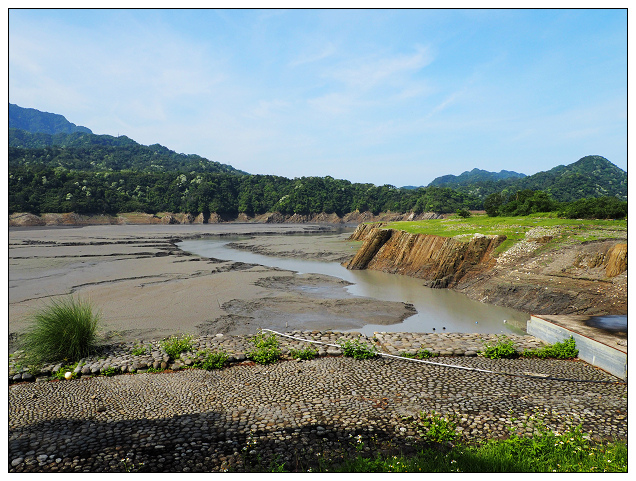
(66, 329)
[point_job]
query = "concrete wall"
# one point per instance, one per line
(590, 351)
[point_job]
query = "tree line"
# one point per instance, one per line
(38, 188)
(525, 202)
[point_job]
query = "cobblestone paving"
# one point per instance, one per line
(250, 416)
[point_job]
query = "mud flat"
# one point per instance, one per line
(146, 288)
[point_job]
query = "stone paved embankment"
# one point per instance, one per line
(248, 416)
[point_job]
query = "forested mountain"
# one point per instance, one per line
(33, 120)
(473, 177)
(52, 170)
(94, 153)
(590, 176)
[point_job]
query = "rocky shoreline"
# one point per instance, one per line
(295, 414)
(121, 358)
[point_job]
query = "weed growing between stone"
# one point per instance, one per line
(212, 360)
(60, 374)
(266, 350)
(305, 354)
(65, 329)
(565, 349)
(357, 350)
(421, 354)
(109, 371)
(140, 349)
(503, 349)
(435, 428)
(175, 345)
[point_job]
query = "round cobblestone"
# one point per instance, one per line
(208, 421)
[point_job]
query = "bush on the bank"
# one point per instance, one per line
(66, 329)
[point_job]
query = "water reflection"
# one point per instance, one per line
(438, 310)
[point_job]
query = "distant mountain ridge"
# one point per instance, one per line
(91, 153)
(55, 142)
(590, 176)
(51, 140)
(473, 176)
(36, 121)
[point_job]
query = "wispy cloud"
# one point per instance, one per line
(293, 92)
(368, 72)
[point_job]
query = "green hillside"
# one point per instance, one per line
(590, 176)
(95, 153)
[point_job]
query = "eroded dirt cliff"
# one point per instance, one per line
(24, 219)
(532, 276)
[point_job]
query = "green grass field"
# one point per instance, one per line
(515, 228)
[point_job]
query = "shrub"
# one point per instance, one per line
(503, 349)
(464, 213)
(65, 329)
(213, 360)
(174, 346)
(357, 350)
(265, 350)
(565, 349)
(305, 354)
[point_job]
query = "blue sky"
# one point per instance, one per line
(382, 96)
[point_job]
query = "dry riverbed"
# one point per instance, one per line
(146, 288)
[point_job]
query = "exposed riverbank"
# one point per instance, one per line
(553, 270)
(25, 219)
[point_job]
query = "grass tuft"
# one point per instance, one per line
(66, 329)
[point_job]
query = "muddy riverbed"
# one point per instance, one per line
(147, 288)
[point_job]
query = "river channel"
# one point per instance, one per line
(438, 310)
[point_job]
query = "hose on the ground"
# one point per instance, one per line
(453, 366)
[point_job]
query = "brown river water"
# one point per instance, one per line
(438, 310)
